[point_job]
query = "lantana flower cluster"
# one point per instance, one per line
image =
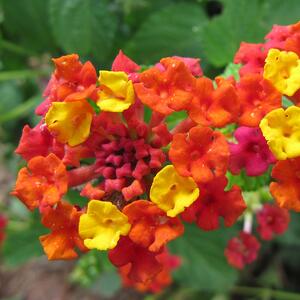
(107, 137)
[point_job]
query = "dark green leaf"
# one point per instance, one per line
(204, 266)
(27, 22)
(174, 30)
(22, 242)
(240, 21)
(83, 26)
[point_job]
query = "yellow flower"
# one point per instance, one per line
(116, 91)
(282, 132)
(172, 192)
(282, 69)
(102, 225)
(70, 122)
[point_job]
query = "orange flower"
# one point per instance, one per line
(257, 97)
(202, 154)
(63, 223)
(214, 107)
(168, 90)
(150, 226)
(286, 189)
(42, 183)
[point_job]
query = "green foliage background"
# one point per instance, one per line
(33, 31)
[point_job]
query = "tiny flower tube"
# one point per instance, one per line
(282, 69)
(102, 225)
(171, 192)
(116, 91)
(281, 129)
(242, 250)
(70, 122)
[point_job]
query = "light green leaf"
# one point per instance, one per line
(240, 21)
(83, 26)
(204, 265)
(174, 30)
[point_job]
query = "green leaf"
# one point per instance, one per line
(281, 12)
(28, 22)
(175, 118)
(22, 242)
(204, 266)
(240, 21)
(174, 30)
(83, 26)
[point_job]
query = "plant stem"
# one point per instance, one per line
(265, 293)
(11, 47)
(22, 74)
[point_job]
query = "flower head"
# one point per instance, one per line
(42, 183)
(201, 153)
(116, 91)
(102, 225)
(214, 107)
(257, 97)
(215, 203)
(282, 68)
(272, 220)
(242, 250)
(281, 129)
(286, 189)
(63, 223)
(251, 152)
(71, 80)
(172, 192)
(70, 122)
(150, 226)
(166, 90)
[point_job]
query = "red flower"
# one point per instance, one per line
(42, 183)
(71, 81)
(272, 220)
(168, 90)
(214, 107)
(160, 281)
(214, 203)
(257, 97)
(242, 250)
(64, 237)
(125, 64)
(150, 226)
(142, 264)
(252, 57)
(286, 189)
(202, 154)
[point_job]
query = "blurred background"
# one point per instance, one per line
(33, 31)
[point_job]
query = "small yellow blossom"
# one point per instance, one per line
(172, 192)
(282, 69)
(116, 91)
(102, 225)
(70, 122)
(282, 132)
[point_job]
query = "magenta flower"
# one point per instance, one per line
(251, 152)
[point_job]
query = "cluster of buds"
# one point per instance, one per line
(140, 177)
